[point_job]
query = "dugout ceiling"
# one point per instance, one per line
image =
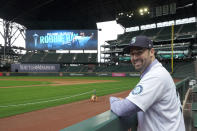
(68, 14)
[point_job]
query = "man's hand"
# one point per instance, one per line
(120, 98)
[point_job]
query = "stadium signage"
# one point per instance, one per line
(134, 74)
(102, 74)
(118, 74)
(76, 74)
(35, 67)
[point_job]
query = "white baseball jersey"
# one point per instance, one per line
(156, 96)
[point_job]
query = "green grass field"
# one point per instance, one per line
(17, 100)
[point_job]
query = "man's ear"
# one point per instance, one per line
(152, 51)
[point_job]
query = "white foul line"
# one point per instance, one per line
(32, 103)
(64, 98)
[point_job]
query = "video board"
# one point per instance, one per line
(61, 39)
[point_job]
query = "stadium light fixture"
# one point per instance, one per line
(143, 11)
(140, 11)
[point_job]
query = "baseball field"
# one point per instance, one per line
(25, 94)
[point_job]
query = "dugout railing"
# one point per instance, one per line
(108, 121)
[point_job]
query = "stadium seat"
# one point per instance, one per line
(194, 114)
(67, 58)
(51, 57)
(194, 89)
(36, 57)
(194, 117)
(194, 106)
(194, 93)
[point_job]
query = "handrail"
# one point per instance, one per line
(106, 121)
(182, 87)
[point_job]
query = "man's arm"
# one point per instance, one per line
(123, 107)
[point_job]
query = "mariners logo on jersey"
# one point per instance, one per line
(137, 90)
(133, 40)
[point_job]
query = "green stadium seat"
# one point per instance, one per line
(191, 27)
(151, 32)
(194, 116)
(67, 58)
(194, 106)
(36, 58)
(194, 90)
(183, 69)
(25, 58)
(194, 93)
(51, 58)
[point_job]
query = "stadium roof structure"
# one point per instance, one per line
(67, 14)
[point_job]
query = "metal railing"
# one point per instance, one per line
(182, 87)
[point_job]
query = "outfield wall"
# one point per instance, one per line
(113, 74)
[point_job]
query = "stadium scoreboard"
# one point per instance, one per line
(61, 39)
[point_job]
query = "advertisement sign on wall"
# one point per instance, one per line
(35, 67)
(118, 74)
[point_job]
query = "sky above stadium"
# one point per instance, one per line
(19, 42)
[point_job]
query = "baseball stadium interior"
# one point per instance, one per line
(170, 24)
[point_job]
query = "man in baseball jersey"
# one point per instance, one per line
(154, 98)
